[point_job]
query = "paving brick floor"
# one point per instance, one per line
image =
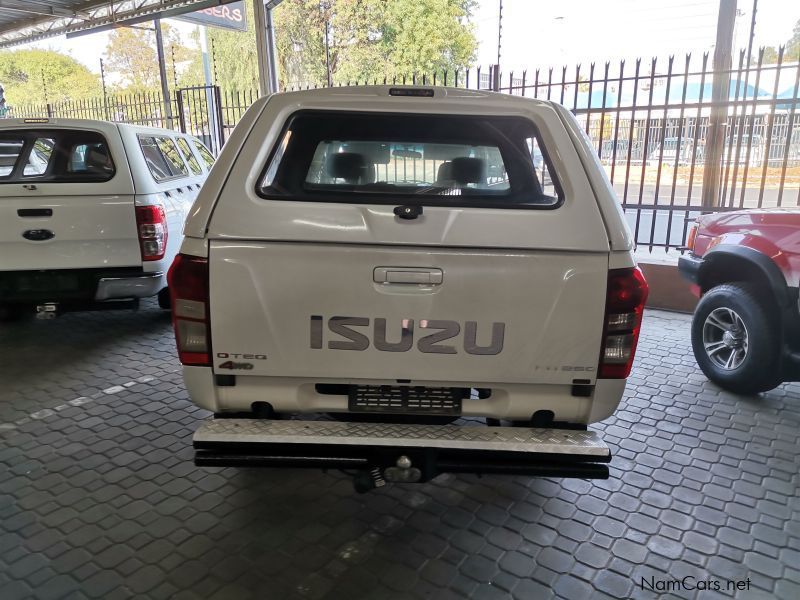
(99, 497)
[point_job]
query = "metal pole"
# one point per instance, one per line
(105, 94)
(271, 53)
(264, 48)
(214, 63)
(719, 98)
(752, 34)
(162, 72)
(204, 52)
(499, 31)
(174, 71)
(327, 45)
(211, 112)
(494, 71)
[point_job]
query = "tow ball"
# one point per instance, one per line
(403, 472)
(50, 310)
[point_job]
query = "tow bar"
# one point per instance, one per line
(46, 311)
(400, 453)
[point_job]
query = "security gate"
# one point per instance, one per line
(200, 114)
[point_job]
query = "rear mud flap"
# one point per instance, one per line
(401, 452)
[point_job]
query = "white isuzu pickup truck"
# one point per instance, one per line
(405, 281)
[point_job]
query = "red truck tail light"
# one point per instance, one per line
(626, 295)
(151, 226)
(188, 285)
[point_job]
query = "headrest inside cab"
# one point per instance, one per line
(349, 166)
(467, 170)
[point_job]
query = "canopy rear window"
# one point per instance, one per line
(401, 158)
(54, 155)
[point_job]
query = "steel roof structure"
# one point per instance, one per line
(23, 21)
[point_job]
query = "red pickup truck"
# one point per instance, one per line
(745, 268)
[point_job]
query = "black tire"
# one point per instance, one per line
(164, 301)
(756, 350)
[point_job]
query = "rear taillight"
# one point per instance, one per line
(188, 286)
(151, 226)
(625, 297)
(691, 236)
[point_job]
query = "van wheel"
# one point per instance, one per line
(735, 340)
(164, 301)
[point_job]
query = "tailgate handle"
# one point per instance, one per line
(407, 275)
(35, 212)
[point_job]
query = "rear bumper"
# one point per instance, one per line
(141, 286)
(78, 285)
(401, 452)
(515, 402)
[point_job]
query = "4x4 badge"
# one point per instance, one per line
(229, 364)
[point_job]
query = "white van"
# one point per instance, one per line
(392, 256)
(91, 212)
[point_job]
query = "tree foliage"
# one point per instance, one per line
(233, 55)
(40, 76)
(366, 40)
(132, 60)
(424, 37)
(791, 52)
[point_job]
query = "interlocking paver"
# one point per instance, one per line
(99, 497)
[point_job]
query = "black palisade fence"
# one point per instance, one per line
(648, 121)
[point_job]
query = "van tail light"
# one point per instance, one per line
(188, 286)
(626, 295)
(151, 226)
(691, 236)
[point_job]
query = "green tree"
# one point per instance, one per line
(428, 36)
(791, 52)
(40, 76)
(132, 60)
(770, 56)
(366, 40)
(233, 56)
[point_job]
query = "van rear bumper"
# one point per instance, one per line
(401, 452)
(78, 285)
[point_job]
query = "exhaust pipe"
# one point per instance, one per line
(46, 311)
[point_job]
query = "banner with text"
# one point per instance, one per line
(228, 16)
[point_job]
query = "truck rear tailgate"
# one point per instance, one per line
(381, 312)
(85, 231)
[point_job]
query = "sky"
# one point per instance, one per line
(568, 32)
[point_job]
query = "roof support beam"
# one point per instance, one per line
(39, 9)
(99, 15)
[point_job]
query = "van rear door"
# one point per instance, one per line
(66, 200)
(395, 245)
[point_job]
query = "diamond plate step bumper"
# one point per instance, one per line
(432, 449)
